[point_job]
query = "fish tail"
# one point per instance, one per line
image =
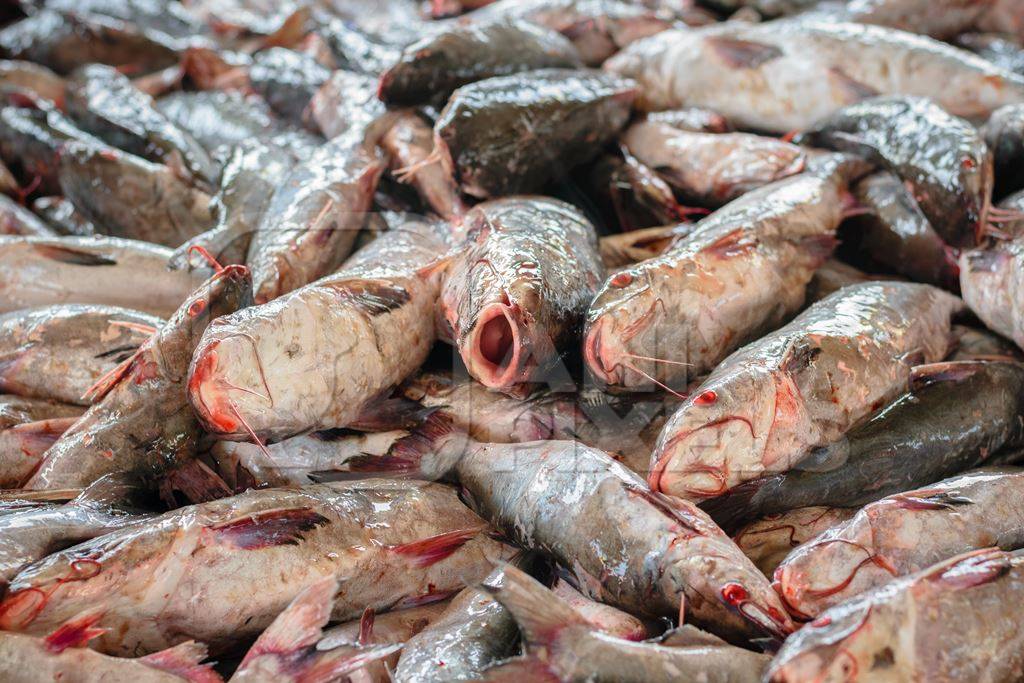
(541, 614)
(183, 660)
(429, 451)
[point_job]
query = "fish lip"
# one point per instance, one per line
(208, 399)
(593, 357)
(665, 454)
(492, 375)
(764, 620)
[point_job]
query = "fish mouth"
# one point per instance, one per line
(20, 608)
(494, 351)
(700, 480)
(208, 394)
(595, 359)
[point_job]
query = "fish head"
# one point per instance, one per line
(617, 326)
(977, 177)
(719, 436)
(501, 346)
(835, 648)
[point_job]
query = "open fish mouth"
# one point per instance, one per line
(494, 349)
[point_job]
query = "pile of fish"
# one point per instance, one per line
(511, 340)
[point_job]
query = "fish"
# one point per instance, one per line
(140, 422)
(973, 343)
(347, 101)
(665, 558)
(769, 540)
(515, 296)
(131, 197)
(408, 143)
(902, 534)
(90, 270)
(956, 415)
(833, 275)
(598, 28)
(293, 357)
(1004, 136)
(252, 171)
(737, 274)
(463, 53)
(288, 650)
(632, 194)
(783, 76)
(895, 233)
(991, 277)
(23, 446)
(58, 352)
(555, 635)
(511, 134)
(942, 159)
(29, 535)
(63, 41)
(63, 217)
(32, 135)
(943, 19)
(35, 78)
(712, 169)
(15, 219)
(104, 102)
(64, 655)
(223, 570)
(472, 632)
(310, 224)
(602, 617)
(693, 119)
(769, 404)
(892, 633)
(287, 80)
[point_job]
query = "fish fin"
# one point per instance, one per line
(268, 528)
(195, 481)
(374, 297)
(436, 266)
(743, 54)
(518, 670)
(34, 438)
(433, 549)
(117, 489)
(391, 414)
(300, 625)
(333, 665)
(819, 247)
(949, 371)
(70, 255)
(927, 500)
(366, 626)
(731, 244)
(854, 90)
(291, 31)
(541, 614)
(75, 632)
(970, 569)
(406, 455)
(183, 660)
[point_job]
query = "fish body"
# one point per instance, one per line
(770, 539)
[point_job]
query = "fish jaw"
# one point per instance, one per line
(208, 394)
(599, 353)
(494, 351)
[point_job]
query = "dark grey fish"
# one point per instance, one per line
(287, 80)
(1004, 135)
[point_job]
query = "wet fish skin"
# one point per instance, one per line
(956, 415)
(511, 134)
(432, 68)
(32, 135)
(58, 352)
(992, 279)
(965, 603)
(242, 559)
(32, 77)
(347, 101)
(769, 404)
(1004, 51)
(562, 645)
(23, 446)
(251, 173)
(786, 75)
(737, 274)
(63, 217)
(1004, 135)
(131, 197)
(104, 102)
(31, 534)
(598, 28)
(901, 534)
(65, 41)
(311, 222)
(15, 410)
(562, 497)
(769, 540)
(90, 270)
(15, 219)
(515, 296)
(408, 144)
(141, 423)
(942, 158)
(973, 343)
(897, 234)
(711, 169)
(379, 308)
(287, 80)
(941, 19)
